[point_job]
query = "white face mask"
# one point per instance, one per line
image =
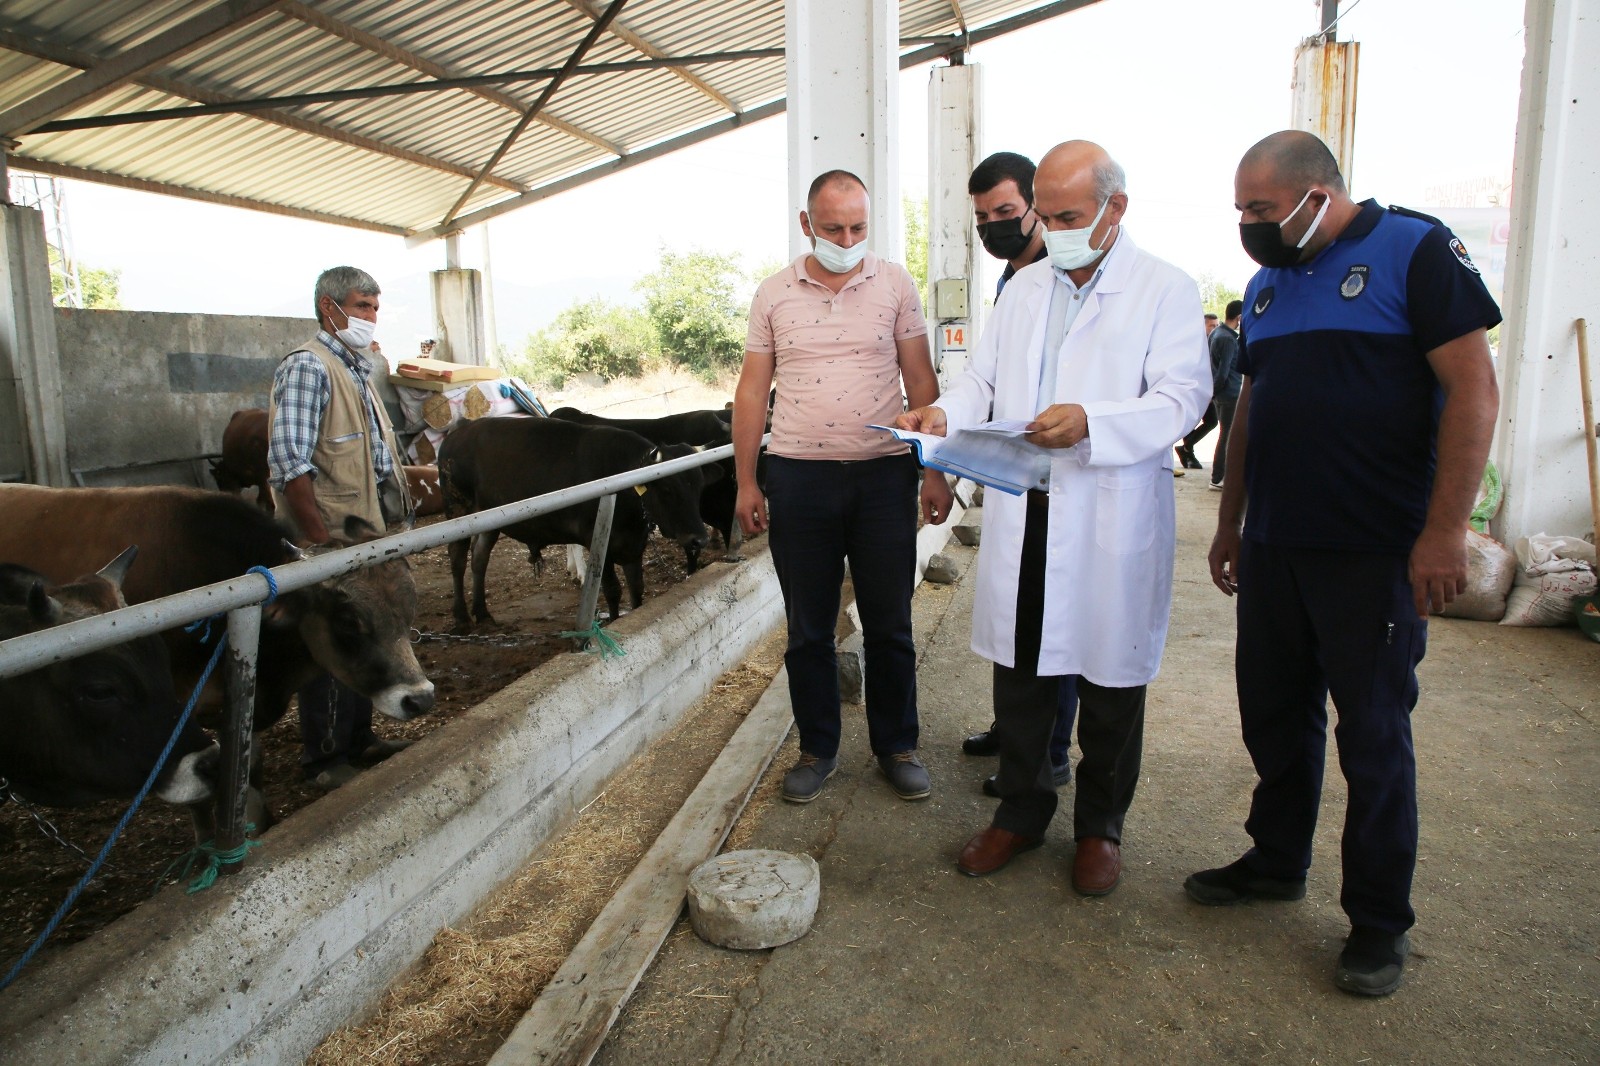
(1069, 248)
(357, 332)
(837, 260)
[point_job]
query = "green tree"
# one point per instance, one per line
(1215, 294)
(101, 288)
(915, 214)
(591, 336)
(697, 302)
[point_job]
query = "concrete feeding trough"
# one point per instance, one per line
(754, 899)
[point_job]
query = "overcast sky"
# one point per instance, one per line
(1176, 90)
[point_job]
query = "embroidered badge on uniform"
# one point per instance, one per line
(1263, 300)
(1461, 253)
(1354, 283)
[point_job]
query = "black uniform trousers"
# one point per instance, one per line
(1314, 623)
(1110, 720)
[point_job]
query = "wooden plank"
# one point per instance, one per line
(569, 1021)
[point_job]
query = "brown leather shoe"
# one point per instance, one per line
(1097, 867)
(993, 848)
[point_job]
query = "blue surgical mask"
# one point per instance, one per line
(837, 260)
(1069, 248)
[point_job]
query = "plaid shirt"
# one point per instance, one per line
(300, 392)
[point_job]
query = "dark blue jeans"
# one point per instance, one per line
(823, 513)
(335, 724)
(1314, 624)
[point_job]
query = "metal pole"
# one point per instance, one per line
(233, 784)
(1330, 15)
(598, 544)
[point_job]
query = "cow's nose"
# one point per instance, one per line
(417, 703)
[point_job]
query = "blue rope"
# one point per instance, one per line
(272, 583)
(99, 860)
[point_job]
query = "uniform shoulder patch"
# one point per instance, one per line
(1263, 301)
(1355, 282)
(1461, 254)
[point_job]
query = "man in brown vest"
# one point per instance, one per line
(334, 458)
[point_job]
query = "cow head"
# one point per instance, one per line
(227, 478)
(92, 727)
(673, 503)
(358, 628)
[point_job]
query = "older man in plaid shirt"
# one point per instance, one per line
(335, 473)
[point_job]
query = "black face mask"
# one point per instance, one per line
(1263, 242)
(1004, 238)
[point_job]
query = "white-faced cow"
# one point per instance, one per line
(356, 626)
(719, 495)
(90, 728)
(496, 461)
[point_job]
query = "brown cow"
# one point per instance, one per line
(356, 626)
(244, 456)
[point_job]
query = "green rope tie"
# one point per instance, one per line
(596, 640)
(214, 858)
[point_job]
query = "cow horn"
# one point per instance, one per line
(41, 606)
(295, 554)
(655, 455)
(116, 571)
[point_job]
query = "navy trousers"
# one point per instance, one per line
(1319, 623)
(1027, 709)
(335, 724)
(823, 513)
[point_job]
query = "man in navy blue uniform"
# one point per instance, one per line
(1365, 358)
(1011, 230)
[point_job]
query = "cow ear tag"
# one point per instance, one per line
(639, 489)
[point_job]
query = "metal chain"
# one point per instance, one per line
(328, 744)
(45, 825)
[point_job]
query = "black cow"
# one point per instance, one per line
(701, 428)
(90, 728)
(496, 461)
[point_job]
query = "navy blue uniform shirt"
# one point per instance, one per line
(1344, 407)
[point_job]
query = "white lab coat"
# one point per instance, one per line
(1135, 358)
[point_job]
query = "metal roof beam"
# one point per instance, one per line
(228, 104)
(45, 166)
(373, 43)
(538, 105)
(960, 42)
(633, 40)
(216, 102)
(583, 177)
(103, 77)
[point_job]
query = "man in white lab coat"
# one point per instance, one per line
(1101, 347)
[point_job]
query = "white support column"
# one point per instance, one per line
(458, 317)
(1551, 269)
(30, 362)
(843, 111)
(955, 307)
(1324, 95)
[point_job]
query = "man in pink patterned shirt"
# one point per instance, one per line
(837, 331)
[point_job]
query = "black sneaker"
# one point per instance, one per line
(1236, 883)
(1371, 962)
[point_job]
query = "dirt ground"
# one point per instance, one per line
(529, 609)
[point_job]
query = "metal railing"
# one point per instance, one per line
(242, 598)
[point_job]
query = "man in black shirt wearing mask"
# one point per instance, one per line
(1002, 204)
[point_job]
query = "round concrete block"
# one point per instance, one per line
(754, 899)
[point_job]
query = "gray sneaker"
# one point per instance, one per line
(906, 774)
(804, 782)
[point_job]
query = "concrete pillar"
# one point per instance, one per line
(843, 111)
(1551, 269)
(458, 317)
(1324, 97)
(30, 361)
(955, 307)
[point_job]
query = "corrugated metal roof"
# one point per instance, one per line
(395, 163)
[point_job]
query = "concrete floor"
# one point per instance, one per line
(910, 961)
